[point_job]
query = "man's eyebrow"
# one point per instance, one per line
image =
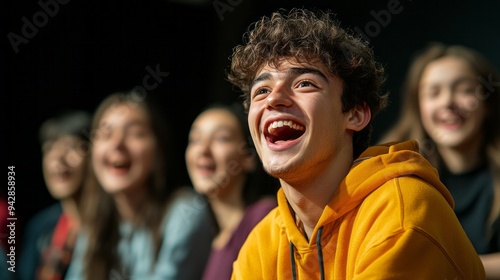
(300, 71)
(291, 72)
(261, 77)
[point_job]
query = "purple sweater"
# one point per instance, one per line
(220, 262)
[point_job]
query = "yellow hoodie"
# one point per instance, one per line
(391, 218)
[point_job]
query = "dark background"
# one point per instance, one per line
(89, 49)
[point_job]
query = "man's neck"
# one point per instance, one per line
(308, 199)
(307, 208)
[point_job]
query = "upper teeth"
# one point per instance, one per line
(290, 124)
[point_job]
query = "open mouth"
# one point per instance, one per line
(62, 176)
(119, 167)
(283, 130)
(450, 120)
(206, 169)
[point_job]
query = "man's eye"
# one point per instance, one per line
(261, 91)
(306, 84)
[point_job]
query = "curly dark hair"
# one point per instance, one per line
(314, 37)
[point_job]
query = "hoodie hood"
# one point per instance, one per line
(374, 167)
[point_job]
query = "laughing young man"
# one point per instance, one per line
(345, 211)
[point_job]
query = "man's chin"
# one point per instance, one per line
(277, 170)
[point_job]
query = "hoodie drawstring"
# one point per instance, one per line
(292, 258)
(320, 253)
(320, 256)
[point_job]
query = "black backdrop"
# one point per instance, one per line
(77, 52)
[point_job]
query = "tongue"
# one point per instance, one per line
(285, 133)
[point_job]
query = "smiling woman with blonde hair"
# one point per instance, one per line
(452, 107)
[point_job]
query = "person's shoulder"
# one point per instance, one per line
(415, 201)
(416, 191)
(186, 217)
(407, 205)
(185, 194)
(260, 208)
(40, 227)
(266, 202)
(260, 244)
(266, 225)
(46, 218)
(187, 206)
(410, 190)
(187, 197)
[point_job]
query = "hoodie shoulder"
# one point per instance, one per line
(381, 163)
(389, 147)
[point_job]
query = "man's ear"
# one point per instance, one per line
(358, 117)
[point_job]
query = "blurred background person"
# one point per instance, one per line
(452, 107)
(137, 224)
(50, 236)
(5, 274)
(224, 167)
